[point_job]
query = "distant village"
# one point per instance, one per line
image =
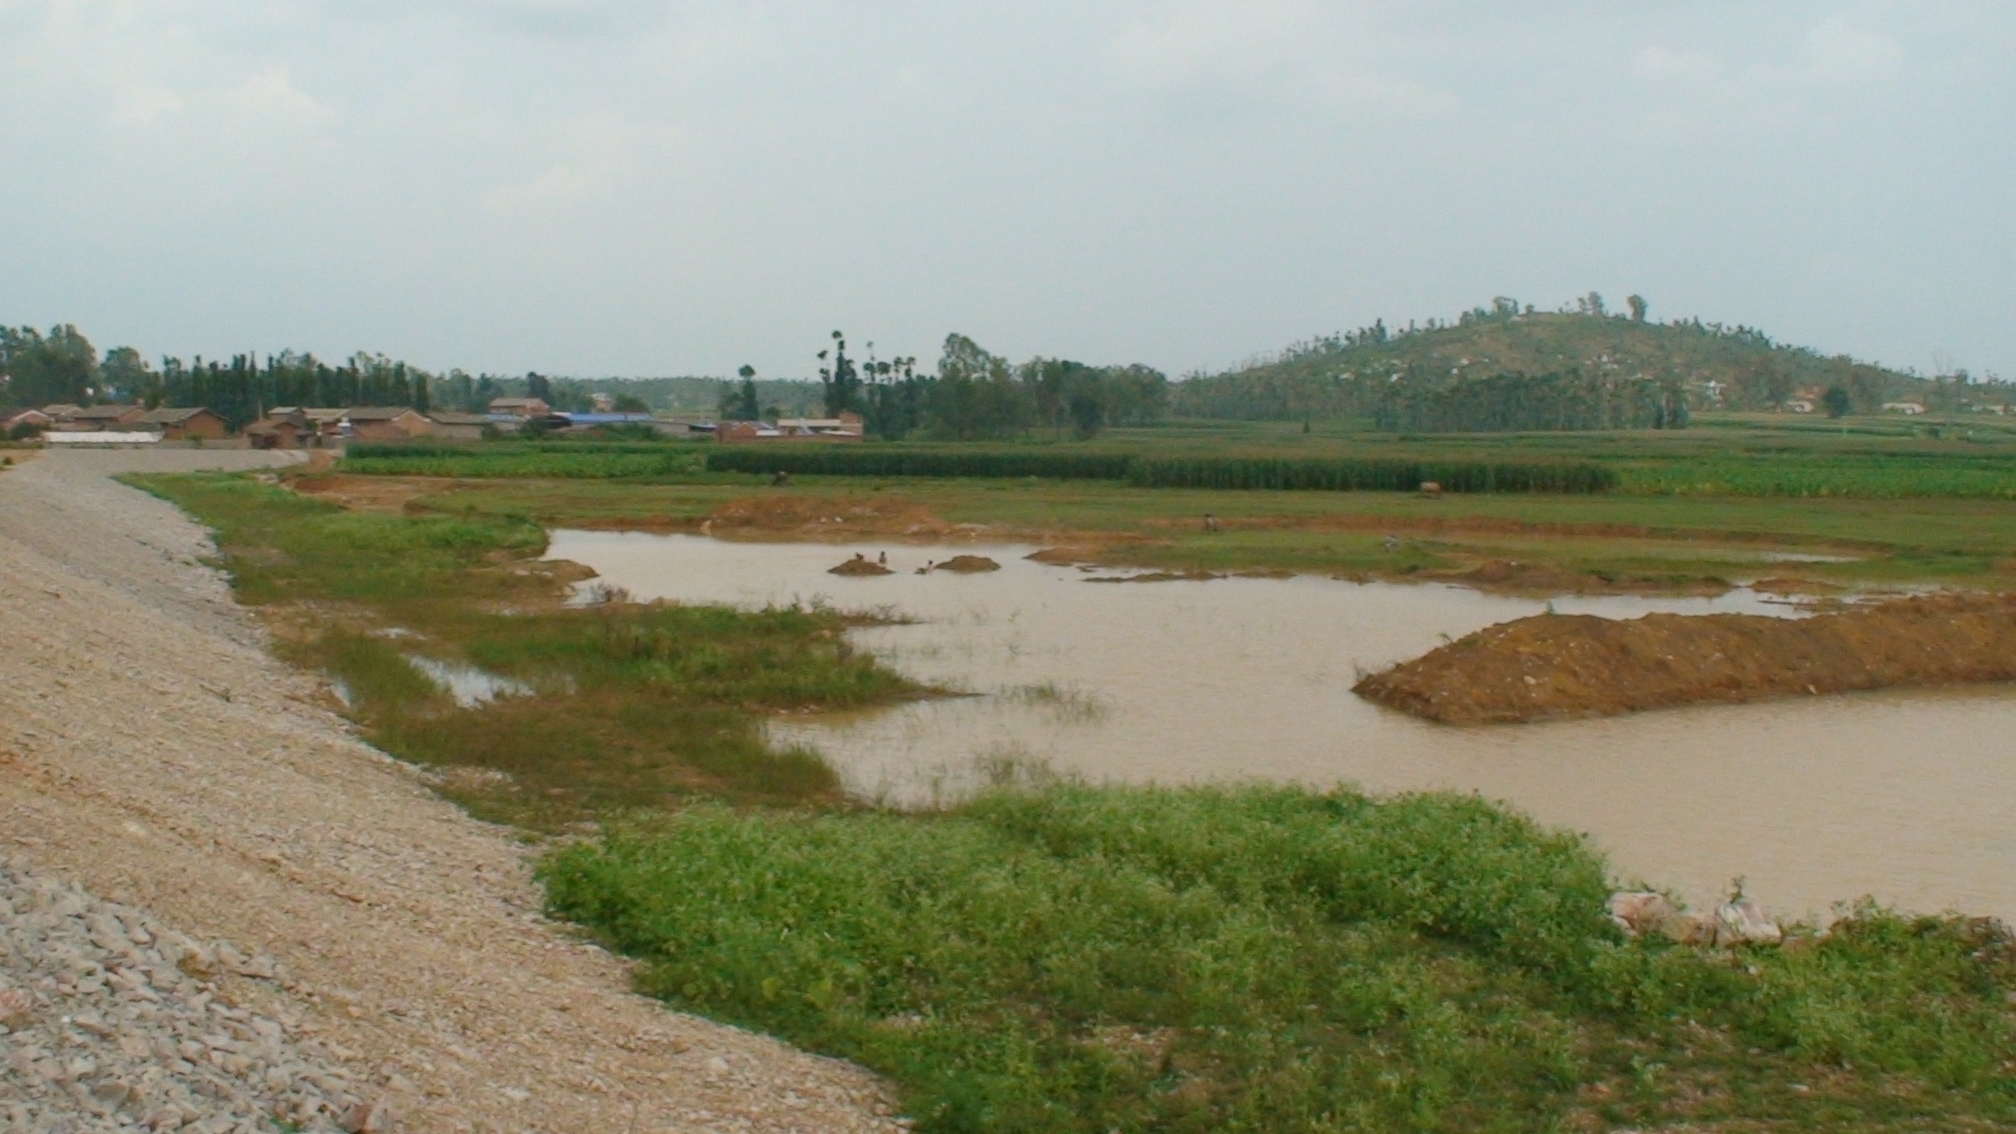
(306, 427)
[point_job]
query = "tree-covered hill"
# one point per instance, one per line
(1585, 366)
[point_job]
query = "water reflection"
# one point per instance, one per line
(1908, 796)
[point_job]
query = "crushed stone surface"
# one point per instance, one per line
(183, 825)
(108, 1021)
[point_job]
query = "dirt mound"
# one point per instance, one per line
(1581, 665)
(859, 566)
(967, 564)
(819, 517)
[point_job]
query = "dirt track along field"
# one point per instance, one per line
(154, 754)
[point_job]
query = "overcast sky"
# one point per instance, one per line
(616, 187)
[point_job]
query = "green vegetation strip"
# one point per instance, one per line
(1340, 474)
(575, 459)
(607, 707)
(895, 460)
(1372, 474)
(1271, 959)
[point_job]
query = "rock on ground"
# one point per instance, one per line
(153, 753)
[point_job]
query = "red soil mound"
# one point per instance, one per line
(967, 564)
(1581, 665)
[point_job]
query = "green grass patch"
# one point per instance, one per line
(1271, 959)
(279, 545)
(562, 459)
(608, 707)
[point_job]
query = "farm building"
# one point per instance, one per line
(384, 423)
(459, 426)
(846, 427)
(19, 416)
(520, 407)
(95, 418)
(296, 427)
(189, 423)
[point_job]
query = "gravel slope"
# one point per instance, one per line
(151, 752)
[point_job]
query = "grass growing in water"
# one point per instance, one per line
(1270, 959)
(634, 705)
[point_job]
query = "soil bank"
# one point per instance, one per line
(1580, 665)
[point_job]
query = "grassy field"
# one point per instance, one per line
(1880, 501)
(1086, 959)
(1638, 540)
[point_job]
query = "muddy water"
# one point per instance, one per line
(1910, 797)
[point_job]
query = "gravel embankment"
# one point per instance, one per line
(109, 1019)
(360, 928)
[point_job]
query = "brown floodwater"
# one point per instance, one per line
(1906, 796)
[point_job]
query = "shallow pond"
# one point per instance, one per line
(1909, 796)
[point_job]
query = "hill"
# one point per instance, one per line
(1401, 375)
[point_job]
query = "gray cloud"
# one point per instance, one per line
(585, 186)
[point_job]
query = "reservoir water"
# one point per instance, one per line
(1907, 796)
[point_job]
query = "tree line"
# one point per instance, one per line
(975, 395)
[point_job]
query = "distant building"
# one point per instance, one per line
(1798, 405)
(732, 431)
(846, 427)
(459, 426)
(91, 419)
(297, 427)
(520, 407)
(190, 423)
(18, 416)
(1909, 409)
(384, 423)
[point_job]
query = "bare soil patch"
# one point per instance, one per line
(1581, 665)
(792, 516)
(366, 493)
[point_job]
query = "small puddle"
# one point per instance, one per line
(1909, 796)
(471, 687)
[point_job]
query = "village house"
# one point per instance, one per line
(384, 423)
(20, 417)
(188, 423)
(1798, 405)
(60, 412)
(1909, 409)
(846, 427)
(296, 427)
(450, 426)
(98, 418)
(523, 408)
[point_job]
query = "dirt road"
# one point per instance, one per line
(152, 752)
